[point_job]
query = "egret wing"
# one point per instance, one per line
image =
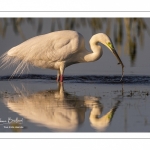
(49, 47)
(43, 51)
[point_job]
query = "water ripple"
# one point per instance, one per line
(111, 79)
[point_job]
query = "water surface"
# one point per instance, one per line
(37, 103)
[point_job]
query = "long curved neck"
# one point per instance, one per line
(97, 50)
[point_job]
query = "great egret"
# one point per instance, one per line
(57, 50)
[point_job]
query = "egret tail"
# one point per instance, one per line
(8, 60)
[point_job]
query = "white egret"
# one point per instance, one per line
(57, 50)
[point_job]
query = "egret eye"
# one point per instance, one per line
(110, 45)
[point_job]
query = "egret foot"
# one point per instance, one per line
(61, 78)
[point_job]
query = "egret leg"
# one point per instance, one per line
(61, 78)
(62, 67)
(58, 76)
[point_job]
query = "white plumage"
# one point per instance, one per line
(57, 50)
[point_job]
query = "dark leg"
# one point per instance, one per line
(61, 78)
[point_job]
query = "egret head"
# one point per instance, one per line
(112, 49)
(105, 40)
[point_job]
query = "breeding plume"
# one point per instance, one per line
(57, 50)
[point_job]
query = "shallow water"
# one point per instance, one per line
(37, 103)
(128, 79)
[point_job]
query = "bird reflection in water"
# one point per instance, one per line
(58, 109)
(101, 123)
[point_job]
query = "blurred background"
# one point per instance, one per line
(131, 37)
